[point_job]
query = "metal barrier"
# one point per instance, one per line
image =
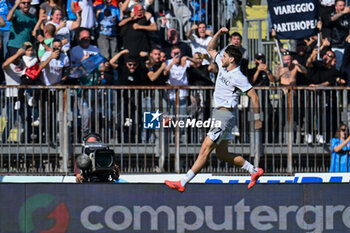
(118, 114)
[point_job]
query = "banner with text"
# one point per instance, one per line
(294, 19)
(202, 208)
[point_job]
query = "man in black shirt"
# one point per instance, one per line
(260, 75)
(172, 40)
(134, 30)
(155, 71)
(198, 74)
(322, 73)
(340, 25)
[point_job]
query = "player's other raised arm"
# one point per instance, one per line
(213, 43)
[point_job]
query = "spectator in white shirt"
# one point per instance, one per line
(200, 37)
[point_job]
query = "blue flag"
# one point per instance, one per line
(294, 19)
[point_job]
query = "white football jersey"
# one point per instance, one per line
(229, 85)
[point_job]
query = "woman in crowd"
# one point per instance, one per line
(340, 146)
(63, 27)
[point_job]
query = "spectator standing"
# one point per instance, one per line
(326, 8)
(200, 37)
(132, 72)
(162, 56)
(79, 53)
(345, 72)
(108, 17)
(236, 40)
(63, 27)
(321, 73)
(47, 40)
(53, 65)
(261, 76)
(88, 17)
(198, 73)
(128, 5)
(155, 71)
(177, 71)
(5, 5)
(340, 25)
(340, 147)
(135, 30)
(286, 73)
(22, 25)
(47, 6)
(31, 75)
(14, 68)
(172, 40)
(84, 49)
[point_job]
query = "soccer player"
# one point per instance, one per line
(229, 84)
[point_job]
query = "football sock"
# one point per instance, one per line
(189, 176)
(249, 167)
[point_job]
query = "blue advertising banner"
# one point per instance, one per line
(294, 19)
(52, 208)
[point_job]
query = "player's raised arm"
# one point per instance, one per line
(213, 43)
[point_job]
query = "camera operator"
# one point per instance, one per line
(83, 167)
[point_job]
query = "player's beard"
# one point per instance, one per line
(225, 64)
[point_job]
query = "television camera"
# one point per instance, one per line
(97, 163)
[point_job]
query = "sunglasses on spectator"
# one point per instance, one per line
(24, 3)
(329, 55)
(286, 53)
(343, 129)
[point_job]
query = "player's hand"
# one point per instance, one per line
(257, 124)
(79, 178)
(136, 26)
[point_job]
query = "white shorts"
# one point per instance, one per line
(224, 132)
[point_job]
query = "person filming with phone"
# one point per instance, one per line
(260, 75)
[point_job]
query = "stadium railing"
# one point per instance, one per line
(45, 138)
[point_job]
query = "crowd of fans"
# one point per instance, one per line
(113, 42)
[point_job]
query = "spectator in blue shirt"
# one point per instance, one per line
(5, 6)
(107, 16)
(340, 146)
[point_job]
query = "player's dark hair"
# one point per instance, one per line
(233, 51)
